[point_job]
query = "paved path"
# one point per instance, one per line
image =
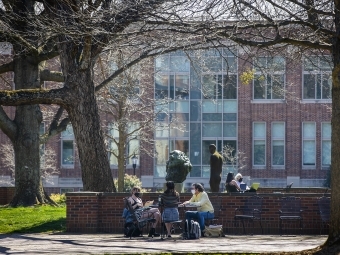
(116, 244)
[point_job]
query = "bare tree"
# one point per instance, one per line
(77, 31)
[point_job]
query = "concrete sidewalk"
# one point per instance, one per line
(62, 243)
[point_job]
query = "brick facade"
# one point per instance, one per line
(102, 212)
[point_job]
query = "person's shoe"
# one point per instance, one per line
(169, 236)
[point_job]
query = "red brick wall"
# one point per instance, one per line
(6, 194)
(101, 212)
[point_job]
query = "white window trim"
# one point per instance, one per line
(308, 139)
(284, 144)
(280, 100)
(265, 145)
(62, 146)
(313, 72)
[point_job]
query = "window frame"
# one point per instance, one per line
(302, 147)
(323, 139)
(273, 138)
(259, 139)
(67, 138)
(269, 73)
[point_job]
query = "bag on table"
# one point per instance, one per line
(213, 231)
(192, 230)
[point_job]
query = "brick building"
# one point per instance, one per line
(279, 122)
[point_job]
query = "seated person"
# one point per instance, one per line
(239, 181)
(230, 184)
(137, 203)
(169, 200)
(205, 210)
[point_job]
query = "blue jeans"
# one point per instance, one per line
(199, 217)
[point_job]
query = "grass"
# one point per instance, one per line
(34, 219)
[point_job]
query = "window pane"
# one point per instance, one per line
(212, 129)
(259, 130)
(162, 152)
(229, 87)
(68, 133)
(326, 153)
(278, 87)
(212, 64)
(179, 64)
(308, 130)
(229, 117)
(309, 86)
(195, 143)
(160, 171)
(162, 63)
(162, 130)
(326, 131)
(67, 154)
(278, 153)
(259, 152)
(208, 106)
(229, 130)
(278, 130)
(195, 171)
(326, 86)
(182, 87)
(230, 64)
(195, 111)
(209, 87)
(182, 106)
(161, 86)
(230, 106)
(212, 116)
(259, 87)
(133, 148)
(309, 153)
(179, 130)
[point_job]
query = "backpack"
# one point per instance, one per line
(192, 230)
(130, 229)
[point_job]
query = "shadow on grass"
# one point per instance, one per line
(58, 225)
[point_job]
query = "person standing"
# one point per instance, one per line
(170, 200)
(216, 163)
(205, 210)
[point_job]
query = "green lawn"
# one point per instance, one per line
(34, 219)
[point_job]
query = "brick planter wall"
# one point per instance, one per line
(91, 212)
(6, 194)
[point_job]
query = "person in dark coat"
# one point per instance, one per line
(216, 163)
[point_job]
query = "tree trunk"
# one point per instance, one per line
(83, 114)
(28, 184)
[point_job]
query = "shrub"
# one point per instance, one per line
(130, 181)
(58, 198)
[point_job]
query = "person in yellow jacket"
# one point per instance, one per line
(205, 210)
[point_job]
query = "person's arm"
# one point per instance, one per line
(189, 201)
(204, 199)
(233, 182)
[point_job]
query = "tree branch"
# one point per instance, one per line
(7, 125)
(33, 96)
(9, 67)
(55, 128)
(47, 75)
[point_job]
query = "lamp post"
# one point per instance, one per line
(134, 163)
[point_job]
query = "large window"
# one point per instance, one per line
(172, 76)
(308, 144)
(317, 78)
(326, 144)
(259, 143)
(269, 80)
(278, 144)
(67, 147)
(219, 74)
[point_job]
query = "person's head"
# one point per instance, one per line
(170, 186)
(196, 188)
(230, 177)
(239, 177)
(135, 191)
(212, 148)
